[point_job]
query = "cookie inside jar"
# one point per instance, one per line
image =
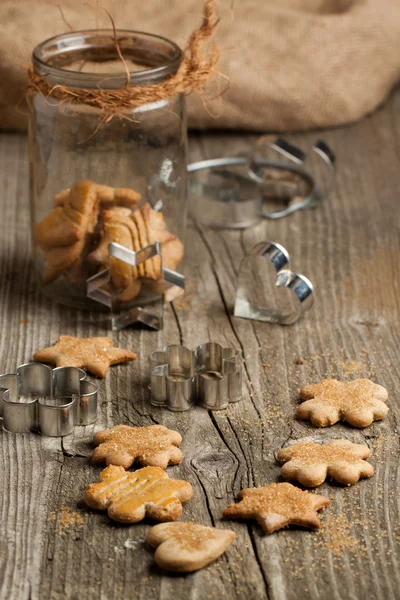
(73, 240)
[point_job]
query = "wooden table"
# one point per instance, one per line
(54, 548)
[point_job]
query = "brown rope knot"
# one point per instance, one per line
(192, 74)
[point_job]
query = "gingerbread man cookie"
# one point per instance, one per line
(310, 463)
(358, 402)
(278, 505)
(122, 445)
(130, 497)
(187, 547)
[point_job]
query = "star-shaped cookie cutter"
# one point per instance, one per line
(96, 286)
(51, 401)
(210, 376)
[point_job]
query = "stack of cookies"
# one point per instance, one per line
(135, 230)
(74, 237)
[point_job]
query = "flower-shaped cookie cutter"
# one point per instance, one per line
(210, 376)
(268, 290)
(242, 183)
(97, 287)
(51, 401)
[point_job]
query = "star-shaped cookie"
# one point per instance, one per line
(310, 463)
(277, 505)
(358, 402)
(122, 445)
(187, 547)
(93, 354)
(130, 497)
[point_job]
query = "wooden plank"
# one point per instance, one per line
(349, 247)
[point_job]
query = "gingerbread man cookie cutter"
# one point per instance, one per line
(210, 376)
(51, 401)
(230, 192)
(268, 290)
(96, 286)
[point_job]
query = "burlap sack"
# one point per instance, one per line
(292, 64)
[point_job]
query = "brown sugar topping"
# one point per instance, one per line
(122, 445)
(359, 402)
(343, 395)
(311, 453)
(277, 505)
(139, 440)
(192, 536)
(310, 463)
(282, 498)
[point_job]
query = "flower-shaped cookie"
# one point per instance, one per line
(358, 402)
(188, 547)
(310, 463)
(122, 445)
(277, 505)
(130, 497)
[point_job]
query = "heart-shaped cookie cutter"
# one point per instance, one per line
(51, 401)
(238, 203)
(210, 376)
(96, 286)
(300, 288)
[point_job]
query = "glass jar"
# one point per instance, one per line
(98, 179)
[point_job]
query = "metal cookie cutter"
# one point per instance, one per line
(268, 290)
(51, 401)
(234, 193)
(98, 286)
(210, 376)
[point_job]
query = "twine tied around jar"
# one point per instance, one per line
(194, 71)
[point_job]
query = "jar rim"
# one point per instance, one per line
(72, 43)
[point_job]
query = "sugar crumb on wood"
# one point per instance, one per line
(337, 536)
(66, 517)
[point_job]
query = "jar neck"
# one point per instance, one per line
(68, 59)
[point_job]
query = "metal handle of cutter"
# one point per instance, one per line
(238, 205)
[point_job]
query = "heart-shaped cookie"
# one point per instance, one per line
(187, 547)
(268, 290)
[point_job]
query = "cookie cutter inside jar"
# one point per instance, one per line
(236, 188)
(101, 290)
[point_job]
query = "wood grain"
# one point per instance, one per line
(349, 247)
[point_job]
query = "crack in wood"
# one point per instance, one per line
(178, 324)
(252, 536)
